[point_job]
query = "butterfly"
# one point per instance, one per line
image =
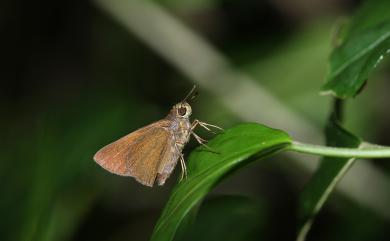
(151, 153)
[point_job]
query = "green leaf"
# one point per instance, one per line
(326, 177)
(235, 147)
(248, 213)
(365, 44)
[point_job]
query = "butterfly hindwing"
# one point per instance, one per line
(139, 153)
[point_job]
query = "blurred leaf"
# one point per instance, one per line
(326, 177)
(368, 15)
(60, 188)
(362, 47)
(309, 49)
(234, 146)
(354, 222)
(228, 218)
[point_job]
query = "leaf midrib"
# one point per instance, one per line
(360, 54)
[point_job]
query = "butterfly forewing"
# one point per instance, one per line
(139, 153)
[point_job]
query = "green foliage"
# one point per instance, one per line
(235, 147)
(325, 179)
(363, 45)
(353, 61)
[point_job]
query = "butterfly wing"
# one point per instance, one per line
(139, 153)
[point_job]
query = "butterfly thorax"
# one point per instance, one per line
(180, 128)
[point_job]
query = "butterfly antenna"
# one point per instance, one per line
(191, 95)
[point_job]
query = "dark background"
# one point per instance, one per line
(73, 79)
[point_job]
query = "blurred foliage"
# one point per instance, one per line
(228, 218)
(74, 80)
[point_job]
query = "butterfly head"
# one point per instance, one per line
(182, 110)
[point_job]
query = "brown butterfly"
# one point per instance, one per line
(152, 152)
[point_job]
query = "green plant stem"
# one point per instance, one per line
(365, 150)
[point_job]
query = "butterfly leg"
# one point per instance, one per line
(204, 125)
(202, 141)
(182, 164)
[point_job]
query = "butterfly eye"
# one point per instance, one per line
(182, 111)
